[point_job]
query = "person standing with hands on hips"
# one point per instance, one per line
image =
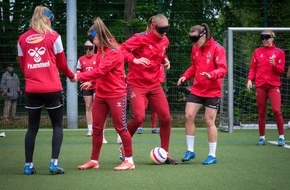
(145, 52)
(111, 93)
(266, 67)
(208, 69)
(41, 56)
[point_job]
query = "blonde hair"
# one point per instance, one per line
(157, 18)
(88, 43)
(105, 37)
(270, 32)
(39, 21)
(149, 23)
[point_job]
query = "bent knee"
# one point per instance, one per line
(189, 117)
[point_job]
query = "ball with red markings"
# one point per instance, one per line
(158, 155)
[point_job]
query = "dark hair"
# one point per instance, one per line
(202, 28)
(206, 28)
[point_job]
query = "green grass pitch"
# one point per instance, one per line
(241, 163)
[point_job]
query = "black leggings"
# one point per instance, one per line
(56, 117)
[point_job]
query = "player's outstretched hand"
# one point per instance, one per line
(166, 63)
(86, 85)
(181, 80)
(206, 75)
(142, 61)
(75, 79)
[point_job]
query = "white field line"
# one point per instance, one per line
(276, 143)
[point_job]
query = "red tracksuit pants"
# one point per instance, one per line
(274, 95)
(159, 103)
(100, 110)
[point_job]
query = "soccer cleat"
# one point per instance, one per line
(122, 152)
(169, 160)
(125, 166)
(155, 131)
(55, 169)
(104, 141)
(139, 130)
(89, 165)
(210, 160)
(2, 134)
(119, 140)
(261, 142)
(90, 133)
(188, 156)
(281, 142)
(29, 170)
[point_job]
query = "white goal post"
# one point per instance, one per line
(227, 101)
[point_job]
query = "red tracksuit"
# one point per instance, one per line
(86, 63)
(144, 81)
(267, 82)
(210, 58)
(36, 53)
(110, 97)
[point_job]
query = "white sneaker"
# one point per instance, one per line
(90, 133)
(119, 140)
(2, 134)
(104, 141)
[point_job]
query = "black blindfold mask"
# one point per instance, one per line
(90, 48)
(194, 39)
(92, 36)
(162, 29)
(265, 36)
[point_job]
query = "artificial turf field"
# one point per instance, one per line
(241, 163)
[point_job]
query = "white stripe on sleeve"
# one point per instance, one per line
(57, 46)
(19, 49)
(79, 65)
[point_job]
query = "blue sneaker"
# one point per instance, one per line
(188, 156)
(210, 160)
(261, 142)
(54, 169)
(139, 130)
(155, 131)
(281, 142)
(29, 170)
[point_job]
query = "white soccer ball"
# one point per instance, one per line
(158, 155)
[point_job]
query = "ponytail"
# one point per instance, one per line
(207, 31)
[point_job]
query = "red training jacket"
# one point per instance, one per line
(150, 46)
(210, 58)
(109, 74)
(40, 56)
(262, 71)
(86, 63)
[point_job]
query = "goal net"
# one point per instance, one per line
(238, 106)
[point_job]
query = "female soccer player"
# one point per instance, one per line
(266, 68)
(208, 69)
(41, 55)
(109, 76)
(87, 62)
(145, 53)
